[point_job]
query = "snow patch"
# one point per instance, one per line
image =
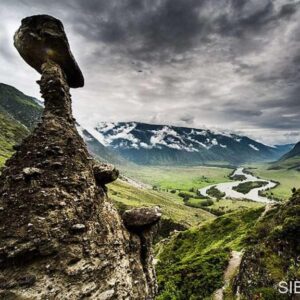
(214, 142)
(159, 138)
(198, 132)
(253, 147)
(123, 132)
(145, 146)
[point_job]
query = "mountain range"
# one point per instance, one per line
(149, 144)
(132, 142)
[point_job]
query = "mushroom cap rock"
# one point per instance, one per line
(42, 38)
(141, 217)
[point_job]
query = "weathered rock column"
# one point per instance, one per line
(60, 237)
(55, 91)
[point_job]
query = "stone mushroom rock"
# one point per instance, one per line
(105, 173)
(142, 217)
(41, 38)
(60, 236)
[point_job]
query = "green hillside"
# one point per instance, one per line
(192, 263)
(289, 161)
(272, 253)
(19, 106)
(18, 114)
(11, 133)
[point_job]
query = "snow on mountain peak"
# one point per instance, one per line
(132, 135)
(155, 144)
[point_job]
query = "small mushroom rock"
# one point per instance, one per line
(78, 228)
(105, 173)
(42, 38)
(139, 218)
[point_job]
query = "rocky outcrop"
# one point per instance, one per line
(142, 221)
(60, 236)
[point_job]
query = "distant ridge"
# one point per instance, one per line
(290, 160)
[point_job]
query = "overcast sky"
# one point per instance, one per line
(226, 64)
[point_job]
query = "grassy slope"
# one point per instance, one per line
(172, 206)
(272, 254)
(183, 178)
(191, 263)
(288, 179)
(19, 106)
(290, 163)
(18, 114)
(11, 132)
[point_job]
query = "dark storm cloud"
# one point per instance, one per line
(142, 29)
(193, 62)
(288, 9)
(151, 30)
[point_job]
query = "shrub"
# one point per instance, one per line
(214, 192)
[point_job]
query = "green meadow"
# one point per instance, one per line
(179, 178)
(288, 179)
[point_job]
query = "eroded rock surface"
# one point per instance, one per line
(60, 237)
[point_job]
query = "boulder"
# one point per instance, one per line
(105, 173)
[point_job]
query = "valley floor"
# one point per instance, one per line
(180, 184)
(181, 178)
(287, 179)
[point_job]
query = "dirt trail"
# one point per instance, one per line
(268, 207)
(233, 265)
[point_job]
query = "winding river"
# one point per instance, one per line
(227, 188)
